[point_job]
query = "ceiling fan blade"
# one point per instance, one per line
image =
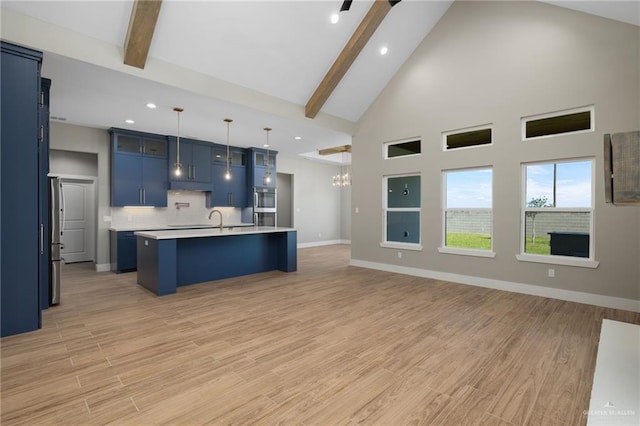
(346, 4)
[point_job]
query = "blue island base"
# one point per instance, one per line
(165, 264)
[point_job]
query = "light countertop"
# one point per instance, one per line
(167, 234)
(175, 227)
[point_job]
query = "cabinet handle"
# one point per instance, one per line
(194, 172)
(41, 238)
(140, 195)
(229, 199)
(144, 196)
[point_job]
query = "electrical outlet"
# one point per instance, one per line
(399, 255)
(552, 273)
(357, 210)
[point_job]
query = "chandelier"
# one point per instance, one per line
(343, 178)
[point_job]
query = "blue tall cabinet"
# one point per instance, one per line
(22, 242)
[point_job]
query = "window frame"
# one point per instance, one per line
(525, 120)
(385, 148)
(447, 133)
(443, 239)
(385, 209)
(584, 262)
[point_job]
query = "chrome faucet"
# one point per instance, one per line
(220, 213)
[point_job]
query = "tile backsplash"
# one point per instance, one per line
(176, 212)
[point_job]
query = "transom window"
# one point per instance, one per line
(402, 148)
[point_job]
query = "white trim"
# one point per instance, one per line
(402, 246)
(103, 267)
(580, 262)
(467, 252)
(323, 243)
(534, 290)
(524, 120)
(466, 130)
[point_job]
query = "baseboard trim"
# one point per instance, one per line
(103, 267)
(323, 243)
(534, 290)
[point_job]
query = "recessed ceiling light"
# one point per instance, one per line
(129, 121)
(384, 50)
(335, 18)
(151, 105)
(298, 138)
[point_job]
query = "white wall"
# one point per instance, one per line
(495, 62)
(73, 163)
(68, 137)
(316, 203)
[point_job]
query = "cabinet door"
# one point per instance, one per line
(20, 242)
(200, 163)
(127, 252)
(126, 180)
(238, 186)
(154, 147)
(221, 187)
(154, 181)
(403, 191)
(127, 143)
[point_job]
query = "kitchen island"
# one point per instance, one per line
(168, 259)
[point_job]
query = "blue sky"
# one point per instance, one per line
(469, 189)
(573, 183)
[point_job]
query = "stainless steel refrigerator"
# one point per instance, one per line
(56, 226)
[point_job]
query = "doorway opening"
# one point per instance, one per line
(284, 206)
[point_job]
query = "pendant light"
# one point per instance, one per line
(177, 167)
(227, 174)
(267, 176)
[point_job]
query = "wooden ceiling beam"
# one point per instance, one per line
(142, 24)
(352, 49)
(335, 150)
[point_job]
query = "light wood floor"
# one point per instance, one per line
(330, 344)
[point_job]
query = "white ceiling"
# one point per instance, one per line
(257, 62)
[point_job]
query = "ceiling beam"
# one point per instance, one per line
(144, 16)
(351, 50)
(335, 150)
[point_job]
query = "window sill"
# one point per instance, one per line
(467, 252)
(558, 260)
(402, 246)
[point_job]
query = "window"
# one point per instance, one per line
(402, 210)
(557, 215)
(467, 212)
(558, 123)
(469, 137)
(402, 148)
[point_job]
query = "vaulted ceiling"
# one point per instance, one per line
(258, 62)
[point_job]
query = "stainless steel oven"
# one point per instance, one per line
(265, 219)
(264, 200)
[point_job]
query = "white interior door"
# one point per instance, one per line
(78, 229)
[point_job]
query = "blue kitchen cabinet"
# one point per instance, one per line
(124, 256)
(43, 160)
(195, 157)
(20, 180)
(257, 168)
(232, 192)
(139, 175)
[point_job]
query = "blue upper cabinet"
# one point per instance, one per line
(22, 239)
(257, 168)
(228, 192)
(195, 158)
(138, 169)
